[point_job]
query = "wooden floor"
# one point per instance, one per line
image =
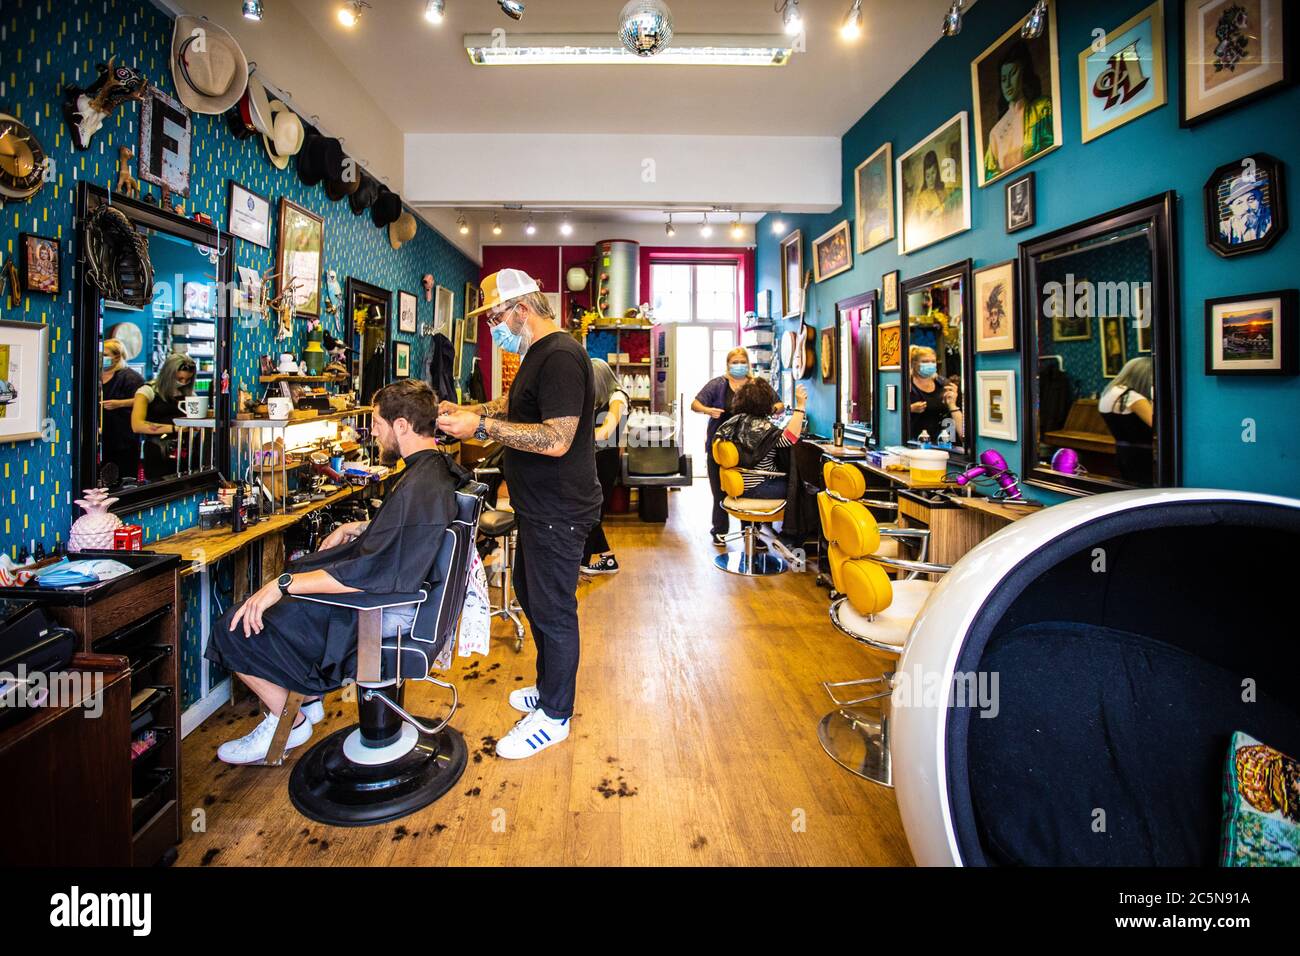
(694, 739)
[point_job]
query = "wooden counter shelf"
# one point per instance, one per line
(319, 417)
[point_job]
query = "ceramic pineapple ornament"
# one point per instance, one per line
(94, 530)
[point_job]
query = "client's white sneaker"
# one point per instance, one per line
(315, 711)
(524, 699)
(531, 735)
(254, 745)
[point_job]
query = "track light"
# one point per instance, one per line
(496, 225)
(705, 229)
(1034, 24)
(851, 28)
(791, 21)
(435, 10)
(252, 9)
(566, 228)
(778, 227)
(737, 230)
(464, 226)
(530, 228)
(351, 12)
(952, 20)
(512, 8)
(669, 229)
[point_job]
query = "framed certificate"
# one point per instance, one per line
(248, 215)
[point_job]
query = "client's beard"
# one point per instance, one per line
(389, 454)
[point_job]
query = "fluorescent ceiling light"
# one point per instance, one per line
(518, 49)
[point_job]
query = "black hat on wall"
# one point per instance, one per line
(366, 194)
(345, 182)
(387, 208)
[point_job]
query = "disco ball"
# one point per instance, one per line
(645, 26)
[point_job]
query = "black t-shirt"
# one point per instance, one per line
(117, 433)
(555, 380)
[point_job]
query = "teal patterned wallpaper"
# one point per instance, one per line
(46, 44)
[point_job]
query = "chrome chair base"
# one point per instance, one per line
(857, 738)
(758, 565)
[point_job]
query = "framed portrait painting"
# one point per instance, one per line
(933, 179)
(1233, 52)
(299, 254)
(1122, 76)
(890, 348)
(1114, 347)
(1245, 206)
(997, 404)
(24, 364)
(832, 252)
(39, 258)
(1251, 334)
(995, 307)
(791, 274)
(406, 311)
(873, 191)
(1017, 91)
(1022, 203)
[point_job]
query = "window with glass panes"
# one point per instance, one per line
(695, 292)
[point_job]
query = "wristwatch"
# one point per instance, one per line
(480, 433)
(284, 581)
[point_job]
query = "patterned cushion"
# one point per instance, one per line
(1261, 805)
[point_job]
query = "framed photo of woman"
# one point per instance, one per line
(933, 179)
(1017, 91)
(873, 192)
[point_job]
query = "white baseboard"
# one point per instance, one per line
(201, 710)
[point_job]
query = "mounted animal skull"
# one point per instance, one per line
(85, 110)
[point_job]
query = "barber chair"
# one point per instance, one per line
(847, 482)
(877, 613)
(751, 512)
(391, 763)
(495, 524)
(1123, 638)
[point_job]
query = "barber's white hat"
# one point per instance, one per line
(503, 286)
(208, 67)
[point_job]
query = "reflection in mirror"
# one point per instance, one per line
(937, 360)
(855, 380)
(1099, 348)
(367, 335)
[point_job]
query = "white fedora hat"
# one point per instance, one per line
(259, 106)
(286, 135)
(208, 67)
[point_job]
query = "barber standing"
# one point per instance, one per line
(546, 426)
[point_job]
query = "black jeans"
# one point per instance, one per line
(607, 465)
(721, 520)
(546, 582)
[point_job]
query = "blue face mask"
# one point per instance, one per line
(928, 369)
(107, 362)
(506, 340)
(738, 371)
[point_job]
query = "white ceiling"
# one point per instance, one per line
(423, 81)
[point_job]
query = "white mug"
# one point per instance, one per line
(279, 408)
(195, 406)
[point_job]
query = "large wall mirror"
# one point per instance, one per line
(369, 321)
(1100, 352)
(153, 421)
(855, 379)
(938, 360)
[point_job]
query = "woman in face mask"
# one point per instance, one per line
(155, 407)
(934, 401)
(118, 442)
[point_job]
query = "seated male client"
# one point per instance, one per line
(275, 646)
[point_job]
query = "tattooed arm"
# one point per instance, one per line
(551, 438)
(493, 409)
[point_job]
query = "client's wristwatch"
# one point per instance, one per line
(480, 433)
(284, 581)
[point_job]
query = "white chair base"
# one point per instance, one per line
(356, 750)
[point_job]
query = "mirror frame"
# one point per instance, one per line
(1160, 212)
(86, 384)
(350, 286)
(961, 269)
(866, 433)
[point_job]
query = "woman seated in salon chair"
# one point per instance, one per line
(759, 440)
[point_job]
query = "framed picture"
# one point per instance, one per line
(402, 360)
(38, 257)
(934, 187)
(1245, 206)
(248, 215)
(873, 190)
(1250, 334)
(828, 355)
(1123, 76)
(1071, 328)
(995, 307)
(24, 362)
(1022, 203)
(889, 335)
(832, 252)
(406, 309)
(1114, 348)
(997, 404)
(1016, 86)
(299, 254)
(1232, 52)
(473, 299)
(444, 304)
(889, 293)
(165, 131)
(791, 273)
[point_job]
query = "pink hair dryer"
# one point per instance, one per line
(993, 465)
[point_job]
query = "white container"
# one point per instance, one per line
(927, 465)
(279, 408)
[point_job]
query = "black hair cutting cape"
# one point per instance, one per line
(310, 647)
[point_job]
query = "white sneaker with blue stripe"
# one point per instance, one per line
(525, 699)
(533, 734)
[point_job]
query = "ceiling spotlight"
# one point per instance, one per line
(512, 8)
(252, 9)
(1037, 19)
(435, 10)
(705, 229)
(496, 225)
(952, 20)
(791, 21)
(464, 226)
(566, 228)
(350, 13)
(737, 230)
(669, 229)
(851, 28)
(778, 227)
(645, 26)
(530, 227)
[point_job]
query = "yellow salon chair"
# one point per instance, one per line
(875, 612)
(751, 511)
(846, 482)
